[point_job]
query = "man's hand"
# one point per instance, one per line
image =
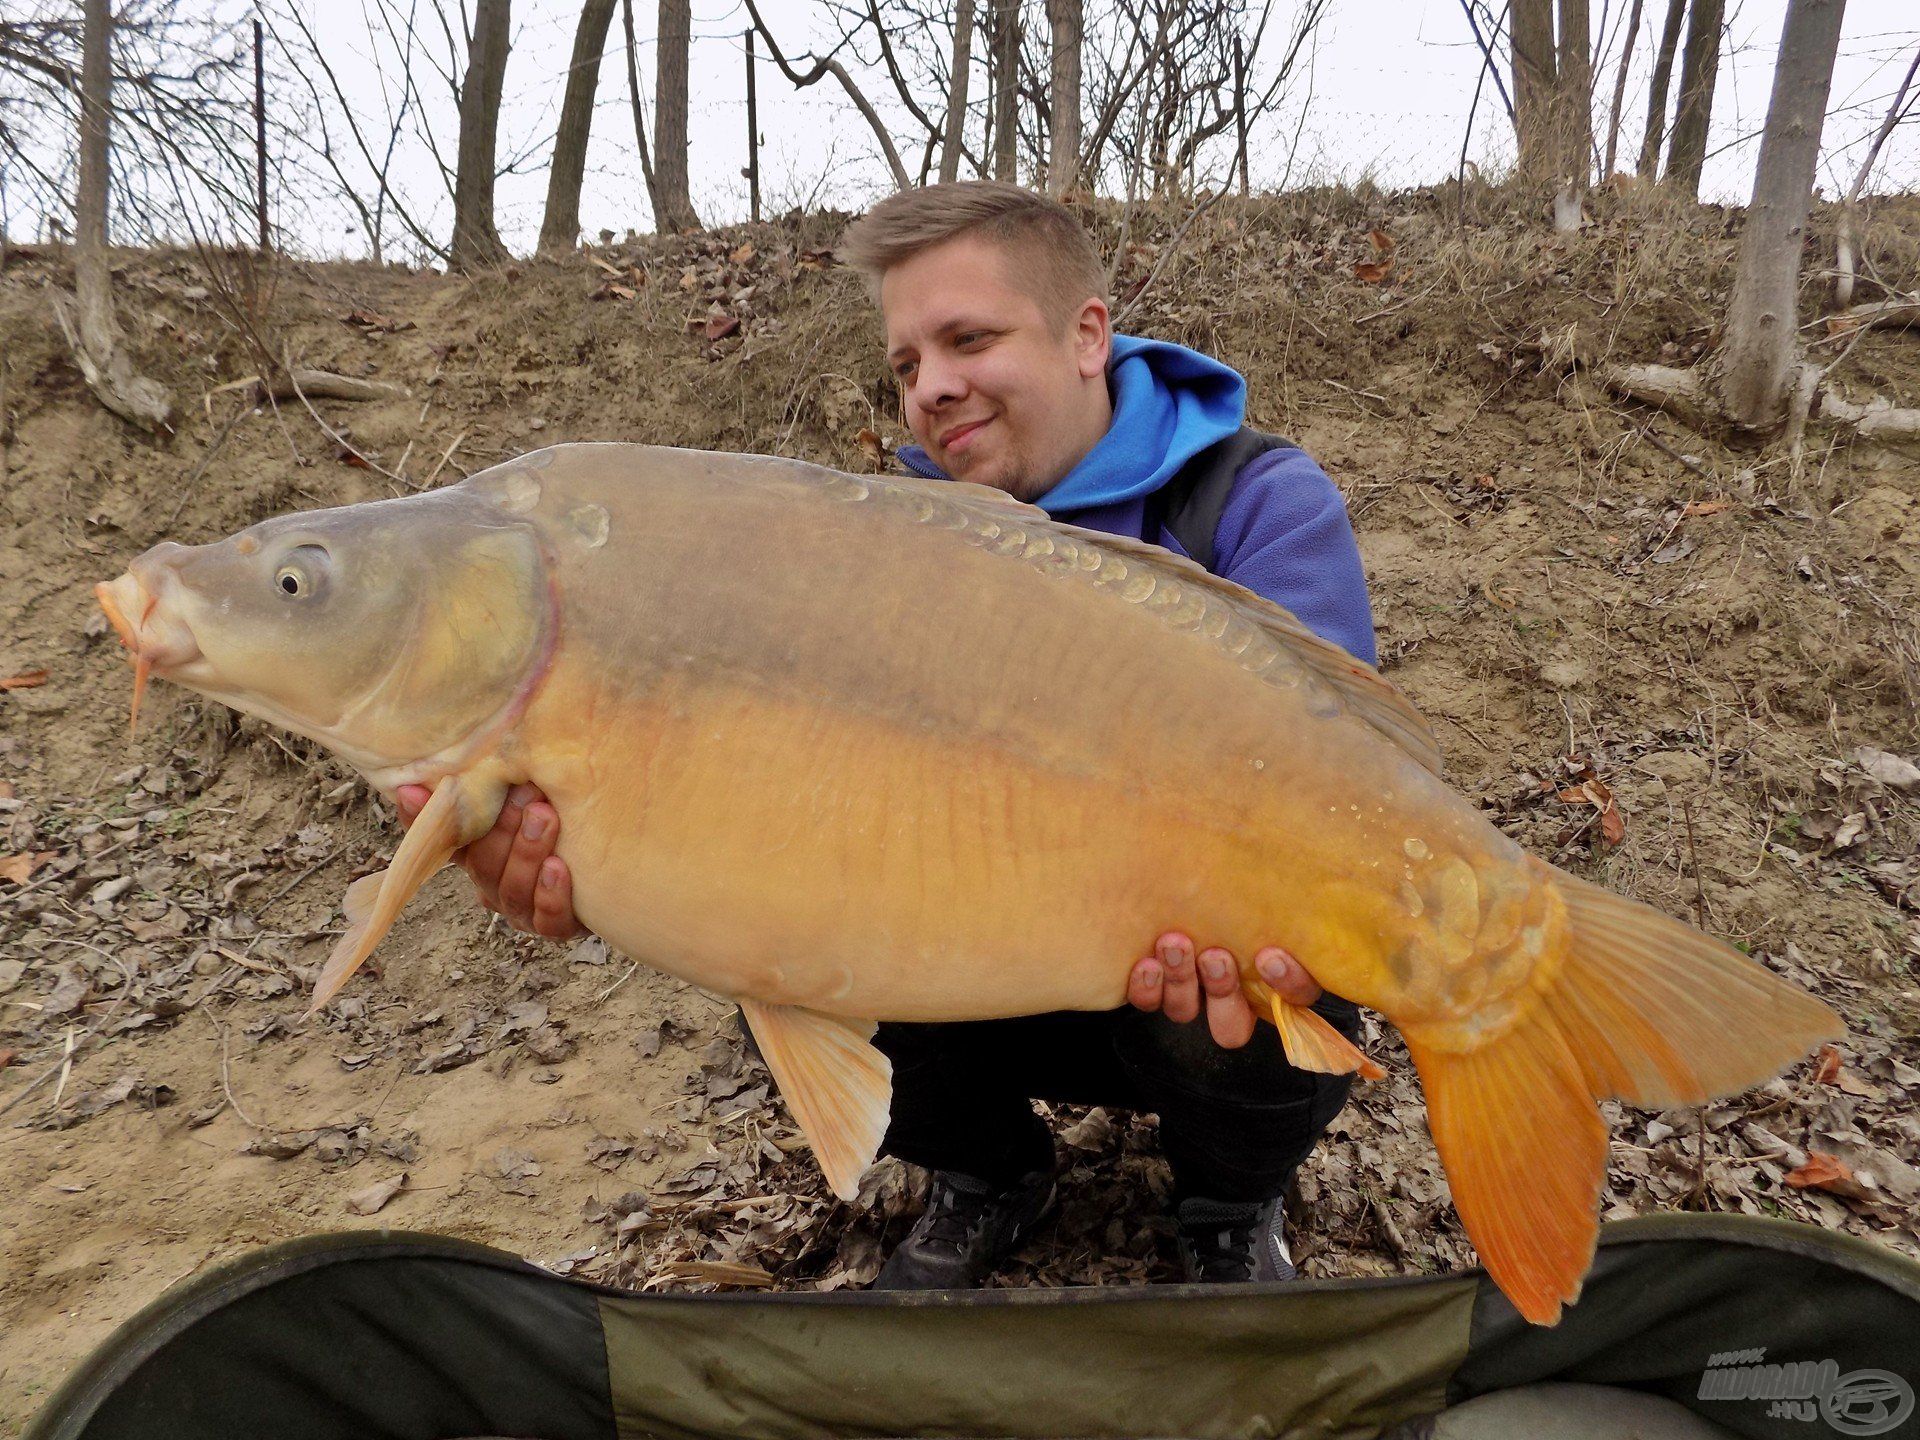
(1173, 978)
(513, 865)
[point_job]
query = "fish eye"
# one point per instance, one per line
(300, 574)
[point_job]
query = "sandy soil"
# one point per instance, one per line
(1577, 591)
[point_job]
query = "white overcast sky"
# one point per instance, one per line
(1386, 96)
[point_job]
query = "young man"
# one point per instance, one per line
(1011, 376)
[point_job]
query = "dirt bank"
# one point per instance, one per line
(1589, 600)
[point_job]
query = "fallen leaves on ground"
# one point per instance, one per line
(25, 680)
(374, 1198)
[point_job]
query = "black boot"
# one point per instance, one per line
(1222, 1241)
(970, 1226)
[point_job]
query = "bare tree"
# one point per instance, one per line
(1574, 92)
(1005, 32)
(1656, 131)
(1614, 111)
(639, 108)
(560, 225)
(1844, 237)
(1757, 380)
(675, 208)
(1065, 25)
(93, 332)
(1536, 78)
(1760, 347)
(828, 65)
(953, 134)
(475, 242)
(1699, 69)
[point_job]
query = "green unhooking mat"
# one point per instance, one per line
(1690, 1326)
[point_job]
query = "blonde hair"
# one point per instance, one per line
(1053, 256)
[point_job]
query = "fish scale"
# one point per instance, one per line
(851, 749)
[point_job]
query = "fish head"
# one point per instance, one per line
(390, 632)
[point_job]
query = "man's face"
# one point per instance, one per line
(990, 388)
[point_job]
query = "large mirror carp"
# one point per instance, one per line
(858, 749)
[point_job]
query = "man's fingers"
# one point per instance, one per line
(1180, 994)
(1228, 1015)
(486, 858)
(1286, 976)
(410, 800)
(521, 875)
(553, 914)
(1146, 984)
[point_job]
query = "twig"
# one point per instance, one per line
(335, 435)
(1167, 252)
(226, 1084)
(186, 490)
(446, 455)
(298, 880)
(617, 984)
(66, 1070)
(1693, 860)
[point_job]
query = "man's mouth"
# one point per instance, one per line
(956, 440)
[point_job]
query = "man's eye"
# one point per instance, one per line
(903, 369)
(971, 337)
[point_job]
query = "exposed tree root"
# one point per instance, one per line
(1689, 396)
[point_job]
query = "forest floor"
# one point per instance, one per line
(1688, 671)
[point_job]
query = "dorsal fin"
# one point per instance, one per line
(1374, 698)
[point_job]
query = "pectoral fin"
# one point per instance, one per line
(837, 1085)
(461, 809)
(1313, 1044)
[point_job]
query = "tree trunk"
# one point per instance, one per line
(1534, 72)
(1006, 88)
(639, 111)
(670, 116)
(1065, 20)
(1573, 87)
(953, 140)
(1757, 356)
(94, 333)
(1656, 132)
(1620, 92)
(560, 226)
(475, 242)
(1699, 68)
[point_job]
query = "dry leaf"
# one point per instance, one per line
(19, 868)
(1695, 508)
(7, 792)
(1826, 1065)
(1822, 1171)
(1613, 828)
(742, 254)
(374, 1198)
(870, 443)
(1382, 242)
(25, 680)
(1888, 769)
(1841, 325)
(722, 326)
(9, 1057)
(1373, 272)
(715, 1272)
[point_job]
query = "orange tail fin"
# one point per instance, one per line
(1647, 1010)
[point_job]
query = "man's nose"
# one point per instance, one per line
(937, 382)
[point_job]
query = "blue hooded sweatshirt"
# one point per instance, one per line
(1284, 533)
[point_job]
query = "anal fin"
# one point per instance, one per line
(373, 902)
(837, 1085)
(1313, 1044)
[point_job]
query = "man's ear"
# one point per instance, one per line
(1093, 338)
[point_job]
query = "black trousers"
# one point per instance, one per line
(1234, 1124)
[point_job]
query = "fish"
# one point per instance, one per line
(850, 749)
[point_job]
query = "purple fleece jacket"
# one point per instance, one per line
(1285, 535)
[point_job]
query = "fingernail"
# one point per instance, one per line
(1274, 970)
(549, 874)
(1150, 972)
(1172, 956)
(1214, 967)
(534, 826)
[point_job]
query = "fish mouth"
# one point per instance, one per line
(156, 639)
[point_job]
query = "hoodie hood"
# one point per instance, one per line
(1169, 404)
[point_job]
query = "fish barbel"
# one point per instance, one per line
(859, 749)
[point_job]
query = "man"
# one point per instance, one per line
(1010, 375)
